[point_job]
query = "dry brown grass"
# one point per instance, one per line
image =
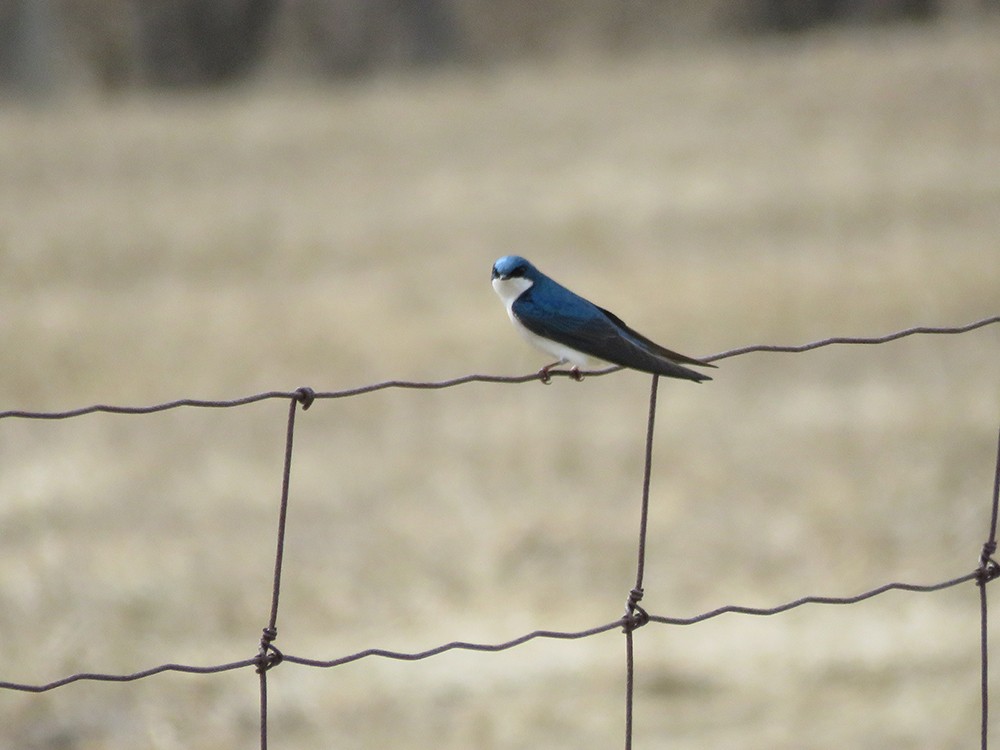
(215, 246)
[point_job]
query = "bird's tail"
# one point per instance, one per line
(673, 370)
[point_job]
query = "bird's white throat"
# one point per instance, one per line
(510, 289)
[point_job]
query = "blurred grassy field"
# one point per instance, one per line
(212, 246)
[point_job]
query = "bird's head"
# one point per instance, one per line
(512, 276)
(512, 267)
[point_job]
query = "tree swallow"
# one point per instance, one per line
(573, 329)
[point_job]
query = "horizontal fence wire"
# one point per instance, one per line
(269, 656)
(306, 396)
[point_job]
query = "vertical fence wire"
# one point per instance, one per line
(988, 570)
(268, 655)
(635, 615)
(984, 740)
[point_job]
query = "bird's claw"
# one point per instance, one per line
(546, 377)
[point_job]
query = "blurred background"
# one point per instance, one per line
(210, 199)
(117, 44)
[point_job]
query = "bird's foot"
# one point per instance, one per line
(544, 375)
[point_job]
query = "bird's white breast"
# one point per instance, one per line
(562, 352)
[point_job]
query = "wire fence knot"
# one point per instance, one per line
(989, 549)
(989, 568)
(305, 396)
(635, 616)
(268, 656)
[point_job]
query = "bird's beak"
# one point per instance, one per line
(496, 274)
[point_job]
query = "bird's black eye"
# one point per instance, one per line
(517, 272)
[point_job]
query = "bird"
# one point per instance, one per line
(567, 326)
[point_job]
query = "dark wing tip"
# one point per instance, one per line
(653, 346)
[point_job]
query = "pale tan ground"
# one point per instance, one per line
(214, 246)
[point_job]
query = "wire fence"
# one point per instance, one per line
(268, 656)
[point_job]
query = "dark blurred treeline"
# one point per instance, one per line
(114, 44)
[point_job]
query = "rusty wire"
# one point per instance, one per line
(268, 656)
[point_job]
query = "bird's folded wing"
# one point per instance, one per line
(599, 334)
